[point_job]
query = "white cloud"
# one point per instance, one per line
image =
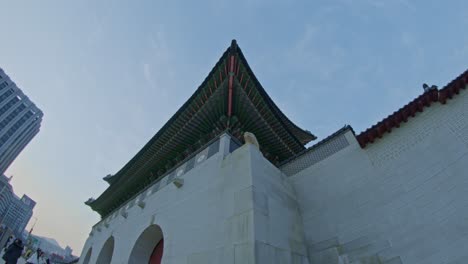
(148, 76)
(158, 64)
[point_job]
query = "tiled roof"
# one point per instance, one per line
(230, 99)
(339, 132)
(417, 105)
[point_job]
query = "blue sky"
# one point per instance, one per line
(109, 74)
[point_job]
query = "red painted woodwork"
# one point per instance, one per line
(231, 79)
(156, 256)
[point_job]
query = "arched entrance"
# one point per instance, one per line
(149, 247)
(88, 256)
(105, 256)
(156, 256)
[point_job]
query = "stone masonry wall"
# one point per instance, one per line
(234, 208)
(406, 192)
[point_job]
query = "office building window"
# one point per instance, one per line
(8, 105)
(11, 116)
(13, 129)
(3, 85)
(5, 95)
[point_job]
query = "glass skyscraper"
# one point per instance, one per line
(20, 121)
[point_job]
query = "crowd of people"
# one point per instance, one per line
(14, 249)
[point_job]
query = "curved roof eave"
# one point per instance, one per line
(301, 136)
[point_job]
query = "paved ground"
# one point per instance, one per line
(20, 261)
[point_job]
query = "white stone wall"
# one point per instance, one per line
(189, 218)
(404, 195)
(270, 200)
(233, 209)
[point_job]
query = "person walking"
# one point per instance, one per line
(13, 252)
(8, 242)
(36, 258)
(42, 258)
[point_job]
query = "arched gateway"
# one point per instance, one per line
(149, 247)
(88, 256)
(156, 256)
(105, 256)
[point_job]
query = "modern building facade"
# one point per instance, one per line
(6, 193)
(228, 179)
(15, 212)
(20, 121)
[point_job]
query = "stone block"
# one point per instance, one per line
(279, 226)
(326, 256)
(297, 229)
(397, 260)
(243, 200)
(171, 260)
(325, 244)
(282, 256)
(357, 243)
(368, 260)
(228, 254)
(260, 201)
(369, 250)
(240, 228)
(298, 259)
(264, 253)
(262, 227)
(206, 257)
(244, 253)
(297, 247)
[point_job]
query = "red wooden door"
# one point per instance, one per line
(156, 256)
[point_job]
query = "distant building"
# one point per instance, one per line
(6, 194)
(15, 212)
(51, 247)
(20, 121)
(68, 251)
